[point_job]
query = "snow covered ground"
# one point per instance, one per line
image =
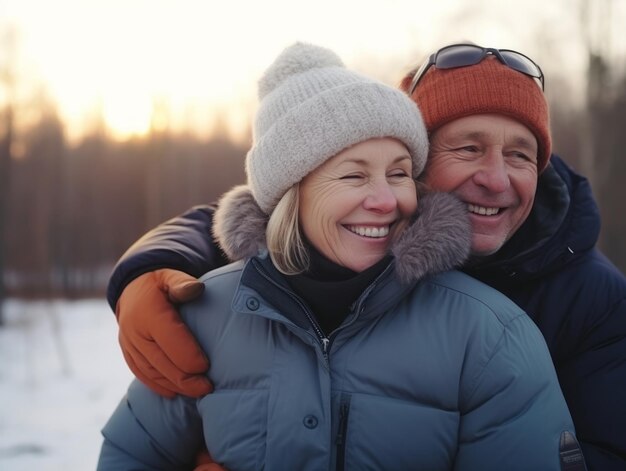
(61, 375)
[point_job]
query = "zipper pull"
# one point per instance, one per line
(325, 342)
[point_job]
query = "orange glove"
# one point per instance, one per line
(206, 463)
(158, 347)
(209, 467)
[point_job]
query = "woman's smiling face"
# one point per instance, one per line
(353, 205)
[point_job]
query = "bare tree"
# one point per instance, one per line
(7, 131)
(595, 20)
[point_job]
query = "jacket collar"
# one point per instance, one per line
(439, 238)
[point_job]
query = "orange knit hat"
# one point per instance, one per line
(444, 95)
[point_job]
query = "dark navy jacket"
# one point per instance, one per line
(551, 268)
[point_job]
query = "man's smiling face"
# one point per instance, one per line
(489, 161)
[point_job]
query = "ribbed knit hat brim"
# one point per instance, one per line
(444, 95)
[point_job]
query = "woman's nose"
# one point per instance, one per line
(381, 198)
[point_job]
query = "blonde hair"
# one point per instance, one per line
(284, 237)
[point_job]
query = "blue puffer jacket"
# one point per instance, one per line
(551, 269)
(440, 372)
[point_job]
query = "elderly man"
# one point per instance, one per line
(535, 226)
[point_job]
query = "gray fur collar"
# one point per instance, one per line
(439, 239)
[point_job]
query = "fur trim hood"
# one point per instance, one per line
(439, 238)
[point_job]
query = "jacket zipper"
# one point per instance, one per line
(342, 432)
(358, 308)
(324, 341)
(344, 407)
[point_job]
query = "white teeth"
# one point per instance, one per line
(482, 210)
(374, 232)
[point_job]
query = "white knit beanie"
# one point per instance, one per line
(311, 109)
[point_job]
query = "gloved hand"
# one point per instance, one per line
(159, 349)
(209, 467)
(204, 462)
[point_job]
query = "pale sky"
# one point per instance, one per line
(198, 58)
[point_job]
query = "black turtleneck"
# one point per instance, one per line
(330, 289)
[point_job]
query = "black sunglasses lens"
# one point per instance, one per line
(521, 63)
(459, 55)
(463, 55)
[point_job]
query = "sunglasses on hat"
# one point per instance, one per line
(463, 55)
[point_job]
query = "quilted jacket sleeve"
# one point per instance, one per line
(513, 412)
(149, 432)
(183, 243)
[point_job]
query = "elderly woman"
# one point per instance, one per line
(341, 339)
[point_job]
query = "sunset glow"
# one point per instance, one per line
(195, 60)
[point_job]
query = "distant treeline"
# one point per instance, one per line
(73, 209)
